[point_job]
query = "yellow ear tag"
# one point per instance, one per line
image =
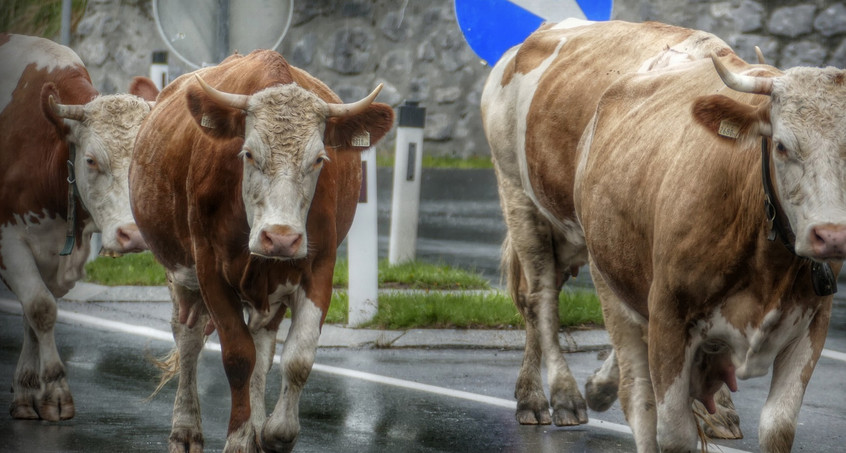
(729, 129)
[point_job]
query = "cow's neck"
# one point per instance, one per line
(822, 277)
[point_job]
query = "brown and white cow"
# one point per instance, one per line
(244, 194)
(536, 103)
(700, 284)
(46, 102)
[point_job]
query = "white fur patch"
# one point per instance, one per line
(21, 51)
(36, 239)
(186, 277)
(513, 102)
(755, 348)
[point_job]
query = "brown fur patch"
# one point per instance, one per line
(710, 111)
(377, 120)
(213, 119)
(144, 88)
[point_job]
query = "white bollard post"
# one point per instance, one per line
(158, 69)
(408, 165)
(363, 248)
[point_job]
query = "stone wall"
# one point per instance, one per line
(416, 49)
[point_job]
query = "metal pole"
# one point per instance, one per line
(222, 30)
(363, 248)
(66, 22)
(405, 204)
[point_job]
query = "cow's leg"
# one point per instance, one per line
(791, 372)
(283, 426)
(670, 358)
(237, 350)
(601, 387)
(40, 386)
(532, 405)
(531, 242)
(264, 329)
(186, 433)
(627, 332)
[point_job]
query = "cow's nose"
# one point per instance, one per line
(280, 241)
(828, 241)
(130, 239)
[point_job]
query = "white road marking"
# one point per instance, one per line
(11, 306)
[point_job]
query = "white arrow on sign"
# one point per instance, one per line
(552, 10)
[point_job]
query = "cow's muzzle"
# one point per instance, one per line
(280, 242)
(828, 241)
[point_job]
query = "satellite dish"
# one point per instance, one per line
(204, 32)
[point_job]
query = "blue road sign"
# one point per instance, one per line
(493, 26)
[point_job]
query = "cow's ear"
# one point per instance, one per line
(214, 119)
(47, 90)
(730, 119)
(361, 131)
(144, 88)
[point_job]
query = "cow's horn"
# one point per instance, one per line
(354, 108)
(236, 101)
(760, 55)
(742, 83)
(71, 112)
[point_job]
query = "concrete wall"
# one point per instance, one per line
(416, 49)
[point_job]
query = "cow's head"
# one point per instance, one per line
(103, 133)
(805, 119)
(283, 153)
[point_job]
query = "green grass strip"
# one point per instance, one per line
(483, 309)
(416, 275)
(139, 269)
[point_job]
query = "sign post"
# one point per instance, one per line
(363, 248)
(405, 205)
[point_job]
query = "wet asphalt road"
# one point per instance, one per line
(341, 411)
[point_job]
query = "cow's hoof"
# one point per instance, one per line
(184, 440)
(562, 416)
(279, 437)
(533, 412)
(22, 411)
(277, 445)
(600, 393)
(242, 440)
(56, 404)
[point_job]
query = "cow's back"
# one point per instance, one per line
(542, 94)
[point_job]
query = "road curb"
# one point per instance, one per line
(150, 306)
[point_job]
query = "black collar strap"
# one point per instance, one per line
(70, 234)
(825, 283)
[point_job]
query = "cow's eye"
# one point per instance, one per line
(780, 148)
(320, 160)
(247, 155)
(91, 162)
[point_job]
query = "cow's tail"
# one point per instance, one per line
(169, 367)
(511, 271)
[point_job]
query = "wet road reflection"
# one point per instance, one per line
(111, 380)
